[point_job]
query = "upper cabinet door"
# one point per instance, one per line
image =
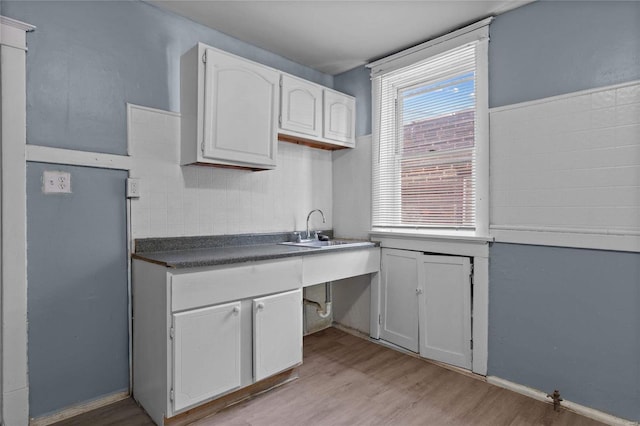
(301, 106)
(339, 117)
(240, 111)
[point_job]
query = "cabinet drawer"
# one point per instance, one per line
(234, 282)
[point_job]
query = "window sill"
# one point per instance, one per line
(432, 235)
(444, 242)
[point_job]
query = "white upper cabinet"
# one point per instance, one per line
(339, 117)
(300, 106)
(313, 115)
(229, 110)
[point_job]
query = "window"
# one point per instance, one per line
(429, 133)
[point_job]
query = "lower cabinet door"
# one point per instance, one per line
(277, 333)
(206, 353)
(399, 303)
(445, 309)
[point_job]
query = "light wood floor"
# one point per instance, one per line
(345, 380)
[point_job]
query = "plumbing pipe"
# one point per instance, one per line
(322, 313)
(327, 307)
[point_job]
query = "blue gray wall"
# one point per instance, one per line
(587, 44)
(356, 82)
(86, 60)
(567, 319)
(549, 48)
(77, 292)
(560, 317)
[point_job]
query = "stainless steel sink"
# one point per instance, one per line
(330, 243)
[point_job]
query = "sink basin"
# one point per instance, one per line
(330, 243)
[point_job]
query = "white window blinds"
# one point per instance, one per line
(424, 162)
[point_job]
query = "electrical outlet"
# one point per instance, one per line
(56, 182)
(133, 188)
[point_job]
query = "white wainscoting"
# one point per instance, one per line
(196, 200)
(565, 170)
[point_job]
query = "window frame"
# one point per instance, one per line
(478, 33)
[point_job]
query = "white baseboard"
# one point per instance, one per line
(572, 406)
(78, 409)
(351, 330)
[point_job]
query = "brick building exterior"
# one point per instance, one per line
(447, 178)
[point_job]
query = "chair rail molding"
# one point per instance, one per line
(14, 383)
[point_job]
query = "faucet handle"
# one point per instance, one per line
(297, 237)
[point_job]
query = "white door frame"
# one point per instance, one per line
(14, 384)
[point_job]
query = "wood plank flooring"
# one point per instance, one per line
(345, 380)
(121, 413)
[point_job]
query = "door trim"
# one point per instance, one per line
(14, 382)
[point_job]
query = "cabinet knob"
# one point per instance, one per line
(418, 291)
(260, 306)
(236, 310)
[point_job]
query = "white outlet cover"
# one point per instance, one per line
(133, 187)
(56, 182)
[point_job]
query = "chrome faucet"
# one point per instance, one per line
(308, 216)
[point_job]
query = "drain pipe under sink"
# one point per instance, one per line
(322, 313)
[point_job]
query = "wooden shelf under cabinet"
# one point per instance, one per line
(310, 142)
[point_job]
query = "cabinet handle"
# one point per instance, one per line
(418, 291)
(260, 306)
(236, 310)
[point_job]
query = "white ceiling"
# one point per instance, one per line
(336, 36)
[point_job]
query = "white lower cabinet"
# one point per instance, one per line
(207, 349)
(211, 346)
(399, 279)
(201, 334)
(206, 353)
(444, 308)
(277, 333)
(426, 305)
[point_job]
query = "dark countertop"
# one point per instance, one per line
(180, 253)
